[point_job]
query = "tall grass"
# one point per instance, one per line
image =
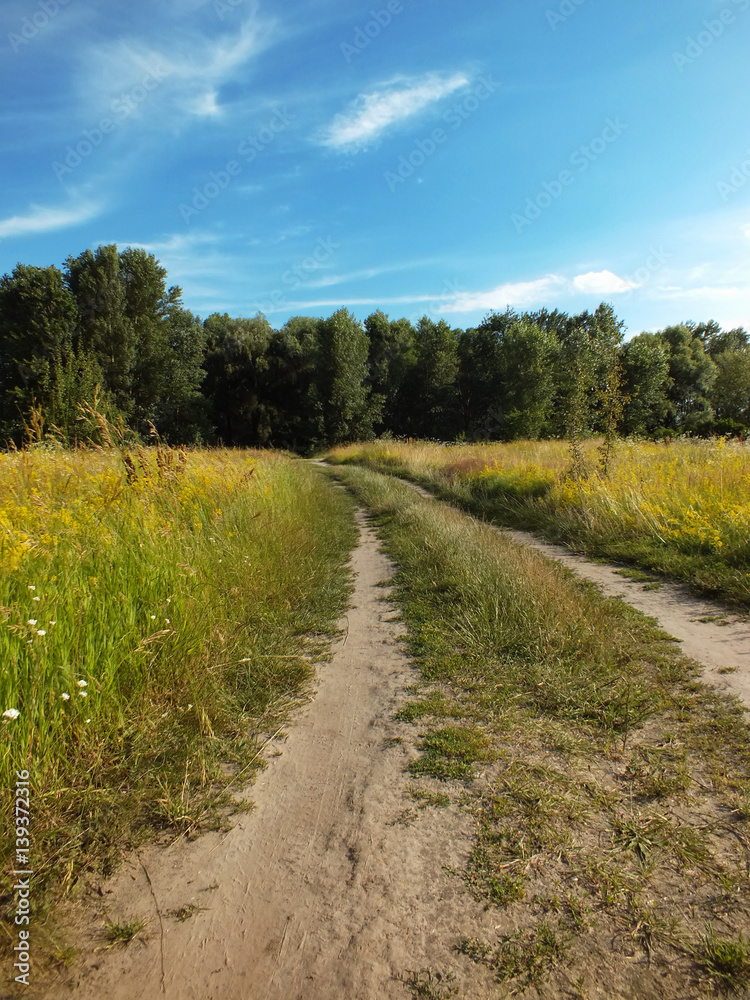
(681, 507)
(159, 613)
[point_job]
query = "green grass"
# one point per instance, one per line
(610, 777)
(123, 933)
(191, 606)
(727, 961)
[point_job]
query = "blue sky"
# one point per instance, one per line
(418, 156)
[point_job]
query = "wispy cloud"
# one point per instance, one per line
(520, 293)
(174, 243)
(190, 72)
(41, 219)
(373, 113)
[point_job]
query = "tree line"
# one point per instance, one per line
(106, 334)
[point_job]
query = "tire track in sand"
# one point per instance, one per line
(326, 890)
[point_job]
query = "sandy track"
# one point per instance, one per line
(721, 643)
(708, 631)
(326, 890)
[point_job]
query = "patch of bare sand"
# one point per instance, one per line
(323, 891)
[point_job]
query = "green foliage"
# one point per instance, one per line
(727, 961)
(449, 753)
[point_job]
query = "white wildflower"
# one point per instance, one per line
(41, 631)
(31, 621)
(32, 587)
(65, 696)
(36, 598)
(153, 618)
(11, 713)
(83, 694)
(82, 684)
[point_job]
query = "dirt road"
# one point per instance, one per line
(332, 886)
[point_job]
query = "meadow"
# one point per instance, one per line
(159, 614)
(680, 508)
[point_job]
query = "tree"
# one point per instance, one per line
(180, 410)
(646, 384)
(506, 378)
(37, 323)
(391, 358)
(692, 374)
(526, 353)
(105, 327)
(433, 381)
(730, 393)
(236, 364)
(294, 405)
(479, 383)
(347, 409)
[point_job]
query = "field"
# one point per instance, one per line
(159, 614)
(163, 615)
(681, 508)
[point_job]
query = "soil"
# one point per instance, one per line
(329, 889)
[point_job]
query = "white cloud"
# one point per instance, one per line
(45, 220)
(520, 293)
(372, 113)
(602, 283)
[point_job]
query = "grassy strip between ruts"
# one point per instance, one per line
(162, 612)
(610, 788)
(678, 508)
